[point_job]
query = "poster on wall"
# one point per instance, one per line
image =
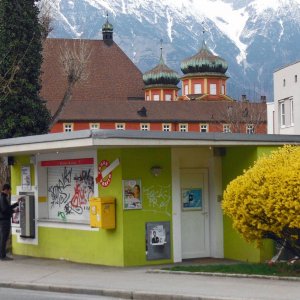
(25, 177)
(158, 235)
(191, 199)
(69, 191)
(158, 244)
(132, 196)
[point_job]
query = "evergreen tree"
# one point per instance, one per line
(22, 111)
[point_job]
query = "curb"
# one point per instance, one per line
(226, 275)
(136, 295)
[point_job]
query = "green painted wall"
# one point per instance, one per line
(74, 245)
(114, 246)
(97, 247)
(16, 172)
(136, 164)
(124, 245)
(234, 162)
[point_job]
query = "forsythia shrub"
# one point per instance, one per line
(265, 200)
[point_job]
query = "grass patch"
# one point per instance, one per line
(279, 269)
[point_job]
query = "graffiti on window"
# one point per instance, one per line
(69, 195)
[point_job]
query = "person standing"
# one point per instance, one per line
(6, 211)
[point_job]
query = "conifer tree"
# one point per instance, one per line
(22, 111)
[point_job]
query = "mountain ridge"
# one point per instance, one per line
(255, 37)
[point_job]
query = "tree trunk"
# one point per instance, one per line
(62, 105)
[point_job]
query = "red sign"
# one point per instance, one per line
(67, 162)
(107, 179)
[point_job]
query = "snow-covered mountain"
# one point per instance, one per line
(254, 36)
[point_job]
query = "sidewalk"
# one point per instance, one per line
(138, 282)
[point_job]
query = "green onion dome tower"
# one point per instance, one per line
(204, 75)
(161, 83)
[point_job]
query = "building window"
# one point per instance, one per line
(282, 114)
(203, 127)
(296, 78)
(145, 127)
(183, 127)
(186, 89)
(250, 129)
(58, 191)
(213, 89)
(197, 88)
(283, 82)
(156, 97)
(168, 97)
(223, 89)
(147, 98)
(68, 127)
(226, 128)
(94, 125)
(166, 127)
(120, 126)
(292, 112)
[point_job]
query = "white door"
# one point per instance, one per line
(194, 213)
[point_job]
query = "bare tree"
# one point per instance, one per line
(73, 59)
(45, 18)
(239, 114)
(74, 62)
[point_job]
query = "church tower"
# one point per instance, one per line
(107, 32)
(204, 76)
(161, 82)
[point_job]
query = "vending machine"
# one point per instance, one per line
(27, 215)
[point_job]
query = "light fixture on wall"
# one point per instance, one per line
(156, 170)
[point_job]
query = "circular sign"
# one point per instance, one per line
(107, 179)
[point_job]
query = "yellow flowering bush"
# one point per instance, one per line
(265, 200)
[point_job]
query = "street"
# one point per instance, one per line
(18, 294)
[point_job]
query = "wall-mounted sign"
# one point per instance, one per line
(192, 199)
(105, 169)
(67, 162)
(132, 196)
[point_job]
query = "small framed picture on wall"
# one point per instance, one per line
(132, 194)
(191, 199)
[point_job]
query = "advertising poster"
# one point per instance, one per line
(132, 194)
(26, 180)
(192, 199)
(158, 245)
(158, 235)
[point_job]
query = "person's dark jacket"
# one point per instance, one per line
(6, 210)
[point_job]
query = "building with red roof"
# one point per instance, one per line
(116, 95)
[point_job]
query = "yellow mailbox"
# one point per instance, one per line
(103, 212)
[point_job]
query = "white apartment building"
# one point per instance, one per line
(284, 112)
